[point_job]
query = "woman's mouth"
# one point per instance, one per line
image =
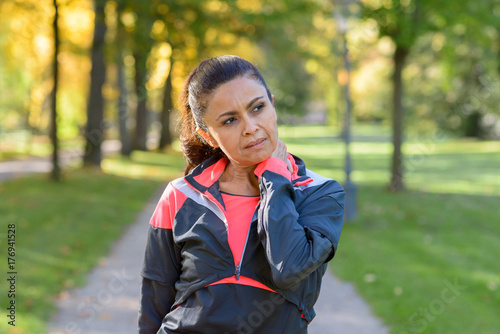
(256, 144)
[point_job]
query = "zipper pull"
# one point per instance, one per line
(238, 270)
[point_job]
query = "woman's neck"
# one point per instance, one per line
(239, 180)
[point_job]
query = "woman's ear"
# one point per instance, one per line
(272, 99)
(208, 138)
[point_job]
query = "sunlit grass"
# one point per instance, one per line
(146, 165)
(403, 249)
(21, 145)
(445, 165)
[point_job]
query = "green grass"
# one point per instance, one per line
(405, 250)
(443, 166)
(147, 165)
(21, 145)
(63, 230)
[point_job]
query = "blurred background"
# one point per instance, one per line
(399, 100)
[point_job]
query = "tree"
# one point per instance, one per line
(141, 116)
(454, 84)
(94, 130)
(137, 18)
(285, 34)
(403, 22)
(116, 51)
(126, 147)
(472, 48)
(56, 169)
(168, 105)
(185, 28)
(195, 30)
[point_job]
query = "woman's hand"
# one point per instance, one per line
(280, 152)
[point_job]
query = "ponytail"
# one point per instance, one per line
(194, 147)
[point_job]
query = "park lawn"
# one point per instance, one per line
(406, 251)
(63, 230)
(158, 166)
(426, 260)
(21, 145)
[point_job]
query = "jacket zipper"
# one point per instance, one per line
(238, 266)
(238, 270)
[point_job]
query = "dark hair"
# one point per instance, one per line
(195, 95)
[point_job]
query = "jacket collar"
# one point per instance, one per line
(205, 177)
(299, 175)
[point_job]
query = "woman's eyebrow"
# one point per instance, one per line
(231, 113)
(253, 101)
(227, 113)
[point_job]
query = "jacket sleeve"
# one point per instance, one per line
(297, 239)
(161, 268)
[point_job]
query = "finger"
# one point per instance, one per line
(289, 166)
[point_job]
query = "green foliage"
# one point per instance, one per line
(452, 74)
(295, 43)
(14, 83)
(405, 21)
(286, 39)
(471, 76)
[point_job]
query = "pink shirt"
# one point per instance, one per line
(239, 213)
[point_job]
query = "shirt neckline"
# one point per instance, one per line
(229, 194)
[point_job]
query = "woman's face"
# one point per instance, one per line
(241, 120)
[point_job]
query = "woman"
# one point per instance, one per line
(240, 244)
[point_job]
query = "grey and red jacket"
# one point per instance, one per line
(294, 232)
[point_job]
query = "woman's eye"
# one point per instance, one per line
(229, 120)
(258, 107)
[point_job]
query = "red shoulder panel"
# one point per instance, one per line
(212, 173)
(275, 165)
(168, 205)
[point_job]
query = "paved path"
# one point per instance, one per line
(108, 303)
(68, 158)
(340, 310)
(18, 168)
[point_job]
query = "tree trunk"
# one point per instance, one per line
(141, 116)
(165, 135)
(126, 148)
(94, 130)
(472, 121)
(472, 125)
(56, 170)
(498, 50)
(397, 183)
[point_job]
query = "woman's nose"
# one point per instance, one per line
(250, 128)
